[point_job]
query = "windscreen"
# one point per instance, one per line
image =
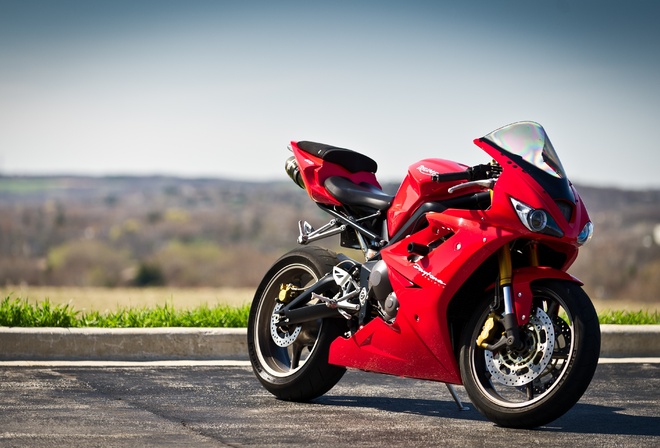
(529, 141)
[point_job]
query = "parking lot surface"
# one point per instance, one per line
(224, 405)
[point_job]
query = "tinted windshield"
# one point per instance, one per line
(529, 141)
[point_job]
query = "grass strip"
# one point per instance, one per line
(629, 317)
(16, 312)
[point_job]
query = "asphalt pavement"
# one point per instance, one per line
(180, 387)
(220, 403)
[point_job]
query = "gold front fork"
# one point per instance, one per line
(533, 254)
(504, 259)
(509, 318)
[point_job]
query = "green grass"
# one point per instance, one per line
(16, 312)
(20, 313)
(629, 317)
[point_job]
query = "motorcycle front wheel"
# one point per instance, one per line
(531, 387)
(292, 362)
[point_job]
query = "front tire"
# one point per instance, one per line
(540, 383)
(293, 364)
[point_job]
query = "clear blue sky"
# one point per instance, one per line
(219, 88)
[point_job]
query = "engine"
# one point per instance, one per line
(380, 290)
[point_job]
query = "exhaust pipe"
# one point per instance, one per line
(292, 169)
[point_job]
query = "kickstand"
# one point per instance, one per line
(454, 395)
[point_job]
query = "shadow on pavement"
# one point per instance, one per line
(596, 419)
(428, 408)
(581, 419)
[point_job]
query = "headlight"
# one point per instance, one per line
(536, 220)
(586, 234)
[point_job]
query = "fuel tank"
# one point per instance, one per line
(418, 188)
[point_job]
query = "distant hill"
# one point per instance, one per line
(78, 230)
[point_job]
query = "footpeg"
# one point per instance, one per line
(340, 303)
(305, 229)
(307, 233)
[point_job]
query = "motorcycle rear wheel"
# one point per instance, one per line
(540, 383)
(292, 363)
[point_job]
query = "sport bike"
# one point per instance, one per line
(464, 280)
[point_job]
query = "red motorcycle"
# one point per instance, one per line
(464, 281)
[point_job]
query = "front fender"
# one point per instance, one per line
(522, 287)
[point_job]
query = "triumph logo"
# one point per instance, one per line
(425, 170)
(427, 275)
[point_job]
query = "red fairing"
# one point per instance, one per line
(315, 171)
(418, 344)
(403, 348)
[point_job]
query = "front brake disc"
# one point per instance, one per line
(517, 368)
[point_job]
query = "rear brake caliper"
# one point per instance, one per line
(288, 292)
(283, 335)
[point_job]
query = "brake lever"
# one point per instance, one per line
(485, 183)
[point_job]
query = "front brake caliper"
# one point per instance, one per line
(489, 331)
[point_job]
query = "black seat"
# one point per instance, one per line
(364, 195)
(349, 159)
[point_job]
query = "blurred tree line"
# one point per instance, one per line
(120, 231)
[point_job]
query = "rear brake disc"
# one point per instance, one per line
(280, 337)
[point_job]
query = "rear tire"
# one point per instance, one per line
(293, 364)
(539, 384)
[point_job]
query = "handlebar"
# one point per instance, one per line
(479, 175)
(448, 177)
(477, 172)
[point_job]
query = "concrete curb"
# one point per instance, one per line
(122, 344)
(630, 340)
(148, 344)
